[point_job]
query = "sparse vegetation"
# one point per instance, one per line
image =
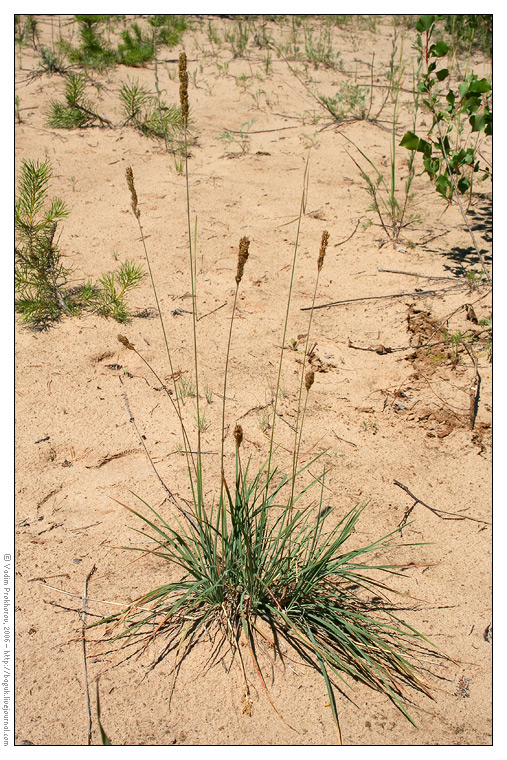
(263, 557)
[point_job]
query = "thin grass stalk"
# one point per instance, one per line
(242, 258)
(299, 428)
(277, 392)
(392, 195)
(137, 214)
(225, 377)
(131, 347)
(411, 161)
(183, 75)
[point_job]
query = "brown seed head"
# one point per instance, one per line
(322, 252)
(309, 378)
(238, 435)
(130, 182)
(126, 342)
(183, 74)
(244, 244)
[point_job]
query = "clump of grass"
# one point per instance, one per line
(349, 101)
(259, 550)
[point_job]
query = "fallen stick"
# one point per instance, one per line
(474, 389)
(438, 512)
(416, 274)
(351, 443)
(414, 293)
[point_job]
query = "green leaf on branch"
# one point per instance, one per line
(425, 23)
(440, 49)
(442, 74)
(443, 184)
(463, 185)
(410, 141)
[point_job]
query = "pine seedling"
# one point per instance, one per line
(136, 49)
(168, 28)
(134, 99)
(77, 111)
(151, 116)
(93, 52)
(39, 272)
(107, 296)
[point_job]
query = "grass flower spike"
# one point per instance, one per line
(322, 252)
(183, 74)
(130, 182)
(244, 244)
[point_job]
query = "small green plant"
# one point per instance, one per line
(455, 341)
(349, 102)
(240, 138)
(448, 157)
(136, 48)
(17, 110)
(238, 39)
(51, 62)
(451, 155)
(392, 214)
(76, 111)
(257, 97)
(213, 36)
(186, 388)
(320, 52)
(243, 82)
(310, 141)
(168, 28)
(470, 31)
(26, 30)
(41, 277)
(202, 423)
(39, 273)
(264, 420)
(145, 111)
(93, 51)
(107, 296)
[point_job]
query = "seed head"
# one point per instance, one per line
(126, 342)
(309, 378)
(322, 252)
(242, 257)
(130, 182)
(238, 435)
(183, 74)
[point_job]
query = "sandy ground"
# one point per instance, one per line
(380, 415)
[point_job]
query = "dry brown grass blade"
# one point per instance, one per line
(263, 682)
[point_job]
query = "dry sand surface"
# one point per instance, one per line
(379, 415)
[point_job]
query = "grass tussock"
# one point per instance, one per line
(259, 552)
